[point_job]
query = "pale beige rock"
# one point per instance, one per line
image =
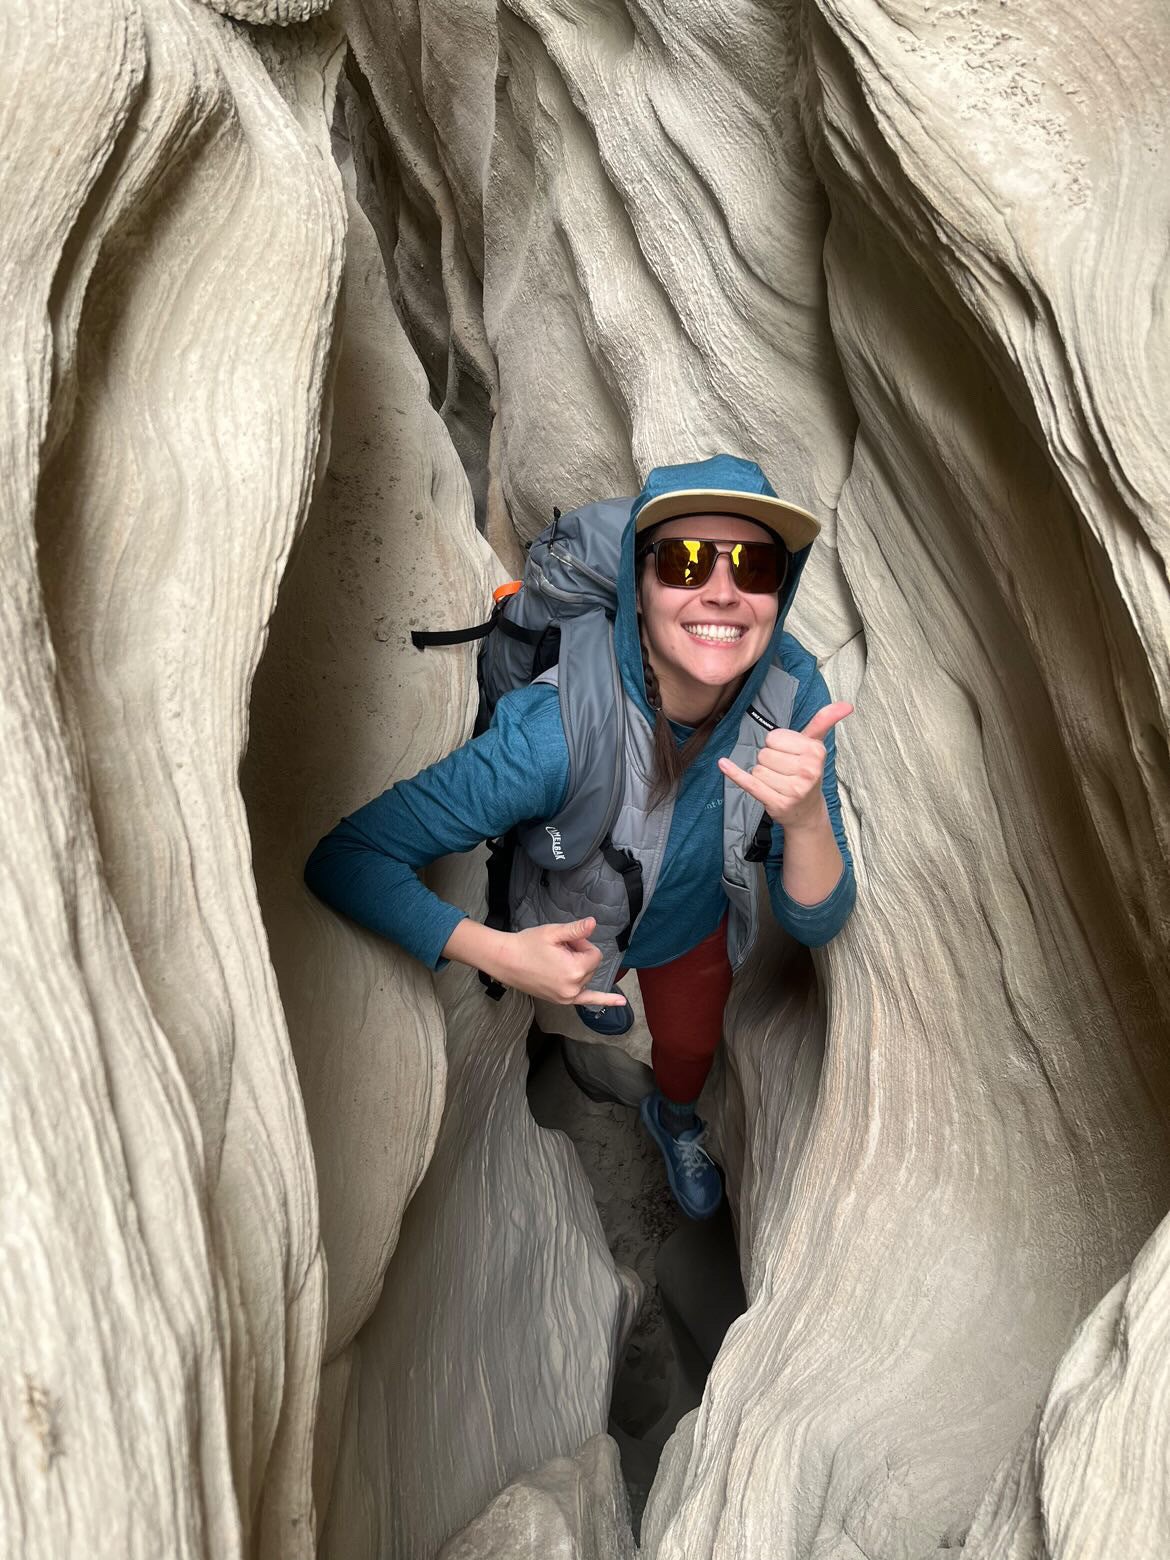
(343, 706)
(573, 1508)
(946, 1135)
(279, 13)
(429, 209)
(163, 1323)
(110, 1334)
(327, 1431)
(108, 1290)
(1090, 1479)
(492, 1348)
(952, 1143)
(987, 1147)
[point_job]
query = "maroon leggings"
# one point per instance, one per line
(684, 1002)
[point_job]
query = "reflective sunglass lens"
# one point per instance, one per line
(759, 567)
(685, 564)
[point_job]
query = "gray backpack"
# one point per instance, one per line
(561, 613)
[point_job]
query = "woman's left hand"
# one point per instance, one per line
(791, 766)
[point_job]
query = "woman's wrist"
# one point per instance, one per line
(482, 947)
(815, 821)
(813, 863)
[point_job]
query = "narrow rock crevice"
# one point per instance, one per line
(689, 1273)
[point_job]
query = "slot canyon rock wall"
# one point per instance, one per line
(499, 1266)
(163, 1282)
(796, 235)
(912, 259)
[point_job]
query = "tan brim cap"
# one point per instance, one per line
(795, 527)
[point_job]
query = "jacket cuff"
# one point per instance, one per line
(815, 925)
(434, 957)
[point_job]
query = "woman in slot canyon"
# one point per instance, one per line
(726, 756)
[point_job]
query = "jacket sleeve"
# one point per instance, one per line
(814, 925)
(366, 867)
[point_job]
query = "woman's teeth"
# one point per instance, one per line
(720, 633)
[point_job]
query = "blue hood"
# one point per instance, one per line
(629, 647)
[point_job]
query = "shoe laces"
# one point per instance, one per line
(692, 1157)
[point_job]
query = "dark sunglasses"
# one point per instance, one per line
(685, 563)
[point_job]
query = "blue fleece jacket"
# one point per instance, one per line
(519, 770)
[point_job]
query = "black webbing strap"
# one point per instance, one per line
(421, 639)
(499, 873)
(630, 868)
(526, 636)
(762, 842)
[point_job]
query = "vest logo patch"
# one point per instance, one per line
(761, 720)
(555, 836)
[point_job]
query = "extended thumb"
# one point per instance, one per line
(581, 928)
(825, 719)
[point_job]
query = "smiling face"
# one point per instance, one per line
(699, 641)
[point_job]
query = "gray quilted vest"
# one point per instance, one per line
(604, 859)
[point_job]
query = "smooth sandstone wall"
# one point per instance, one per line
(474, 1339)
(910, 259)
(163, 1292)
(1088, 1477)
(571, 1509)
(995, 1086)
(654, 253)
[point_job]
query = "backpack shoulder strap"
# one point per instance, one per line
(589, 686)
(775, 699)
(743, 817)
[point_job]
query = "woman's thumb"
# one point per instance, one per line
(583, 927)
(826, 718)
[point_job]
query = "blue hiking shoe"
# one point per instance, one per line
(692, 1173)
(607, 1020)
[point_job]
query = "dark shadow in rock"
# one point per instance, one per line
(690, 1271)
(702, 1293)
(605, 1073)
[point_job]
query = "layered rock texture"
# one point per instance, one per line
(290, 1268)
(163, 1285)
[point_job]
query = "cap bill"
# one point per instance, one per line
(795, 527)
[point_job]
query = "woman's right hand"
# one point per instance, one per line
(556, 963)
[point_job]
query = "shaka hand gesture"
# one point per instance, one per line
(789, 769)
